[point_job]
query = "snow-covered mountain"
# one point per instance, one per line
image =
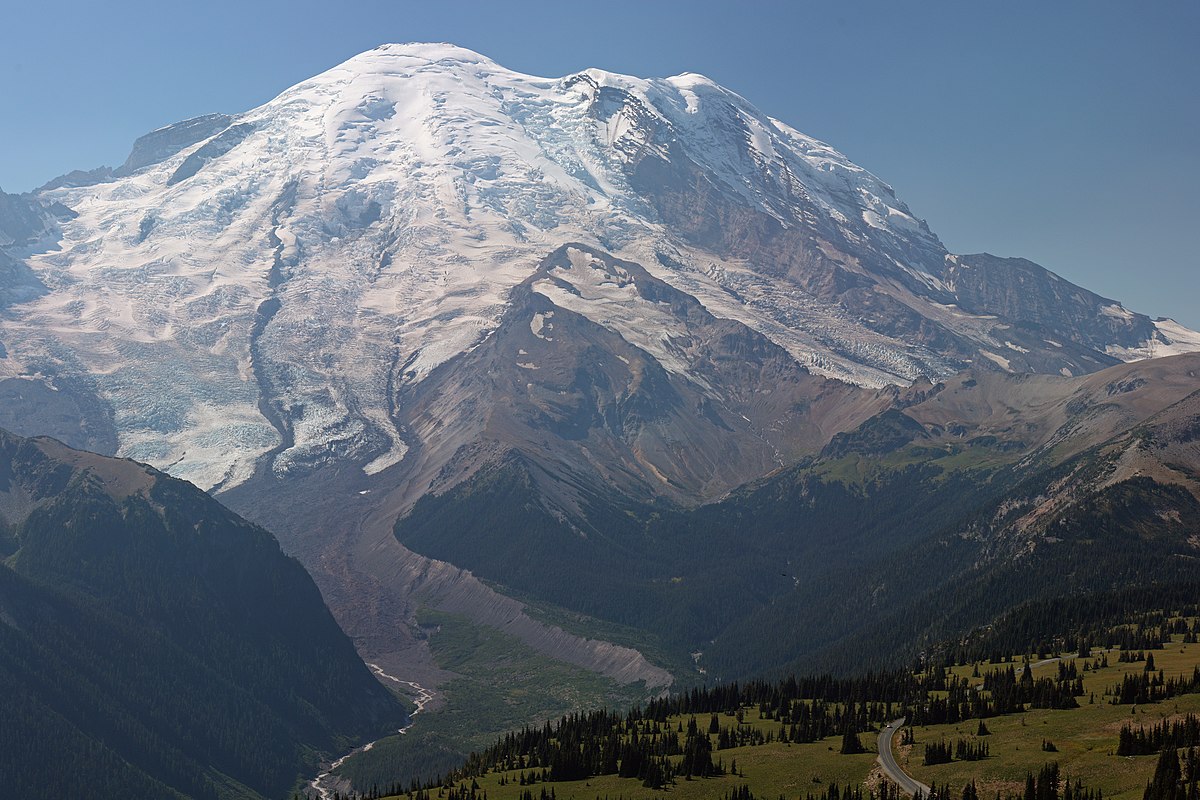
(269, 292)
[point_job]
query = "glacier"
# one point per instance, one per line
(256, 299)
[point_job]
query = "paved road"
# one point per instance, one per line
(887, 760)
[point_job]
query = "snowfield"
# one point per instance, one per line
(266, 290)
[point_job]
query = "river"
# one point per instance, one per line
(320, 786)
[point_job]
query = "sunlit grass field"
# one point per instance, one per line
(1085, 740)
(1085, 737)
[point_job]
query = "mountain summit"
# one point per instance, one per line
(253, 292)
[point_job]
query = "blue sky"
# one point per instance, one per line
(1063, 132)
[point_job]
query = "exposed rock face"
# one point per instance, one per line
(159, 145)
(77, 178)
(18, 284)
(23, 219)
(215, 147)
(69, 412)
(1031, 297)
(1064, 416)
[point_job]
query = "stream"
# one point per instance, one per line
(319, 785)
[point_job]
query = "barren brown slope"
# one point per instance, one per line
(577, 393)
(1055, 416)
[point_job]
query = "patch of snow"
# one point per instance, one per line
(1175, 339)
(608, 296)
(389, 459)
(930, 281)
(1116, 311)
(1169, 339)
(540, 322)
(997, 359)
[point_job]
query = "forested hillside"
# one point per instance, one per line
(158, 644)
(964, 501)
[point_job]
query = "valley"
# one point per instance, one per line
(422, 698)
(496, 683)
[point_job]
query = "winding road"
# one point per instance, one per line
(887, 760)
(423, 698)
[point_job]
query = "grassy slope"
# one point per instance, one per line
(1086, 737)
(770, 770)
(680, 665)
